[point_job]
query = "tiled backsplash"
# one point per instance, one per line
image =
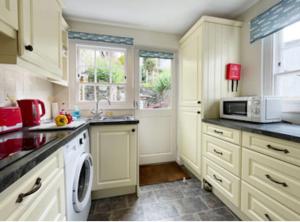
(18, 83)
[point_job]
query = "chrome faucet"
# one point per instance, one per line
(97, 113)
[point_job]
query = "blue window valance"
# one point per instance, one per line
(156, 54)
(285, 13)
(101, 38)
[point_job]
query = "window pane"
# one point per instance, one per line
(86, 57)
(86, 74)
(117, 93)
(291, 33)
(103, 92)
(103, 66)
(118, 67)
(288, 85)
(291, 58)
(155, 83)
(87, 93)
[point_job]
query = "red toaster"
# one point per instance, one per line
(10, 119)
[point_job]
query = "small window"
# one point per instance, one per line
(101, 72)
(287, 61)
(155, 83)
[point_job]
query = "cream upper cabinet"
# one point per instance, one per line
(9, 17)
(40, 39)
(190, 78)
(189, 137)
(115, 157)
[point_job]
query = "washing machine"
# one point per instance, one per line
(78, 177)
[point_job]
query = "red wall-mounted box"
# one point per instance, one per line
(233, 71)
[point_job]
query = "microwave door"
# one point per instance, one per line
(236, 109)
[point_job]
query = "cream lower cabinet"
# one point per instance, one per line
(189, 138)
(115, 156)
(47, 203)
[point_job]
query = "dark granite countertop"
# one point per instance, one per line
(281, 130)
(12, 172)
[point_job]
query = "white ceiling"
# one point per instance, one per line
(169, 16)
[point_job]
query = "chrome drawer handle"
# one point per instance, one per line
(217, 152)
(275, 181)
(218, 179)
(37, 185)
(286, 151)
(218, 132)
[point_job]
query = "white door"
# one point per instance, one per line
(155, 108)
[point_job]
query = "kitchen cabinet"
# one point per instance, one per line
(9, 17)
(47, 202)
(38, 46)
(189, 142)
(204, 52)
(190, 86)
(115, 156)
(255, 180)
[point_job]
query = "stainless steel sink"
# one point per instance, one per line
(114, 118)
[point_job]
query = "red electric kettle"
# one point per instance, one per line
(30, 110)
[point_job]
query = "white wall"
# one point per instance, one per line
(18, 83)
(251, 54)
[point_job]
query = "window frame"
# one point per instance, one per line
(74, 83)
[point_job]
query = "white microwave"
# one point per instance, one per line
(251, 109)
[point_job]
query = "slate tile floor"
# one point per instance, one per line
(165, 202)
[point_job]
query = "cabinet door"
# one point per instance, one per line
(114, 152)
(9, 13)
(40, 34)
(189, 137)
(189, 77)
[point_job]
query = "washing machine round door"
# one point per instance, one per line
(82, 186)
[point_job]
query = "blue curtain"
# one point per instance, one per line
(101, 38)
(156, 54)
(283, 14)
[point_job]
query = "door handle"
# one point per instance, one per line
(286, 151)
(218, 179)
(275, 181)
(37, 185)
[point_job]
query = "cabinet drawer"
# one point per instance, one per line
(276, 178)
(280, 149)
(259, 206)
(227, 134)
(222, 180)
(225, 154)
(45, 170)
(50, 205)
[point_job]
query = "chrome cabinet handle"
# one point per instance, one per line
(268, 217)
(217, 152)
(37, 185)
(218, 132)
(275, 181)
(286, 151)
(218, 179)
